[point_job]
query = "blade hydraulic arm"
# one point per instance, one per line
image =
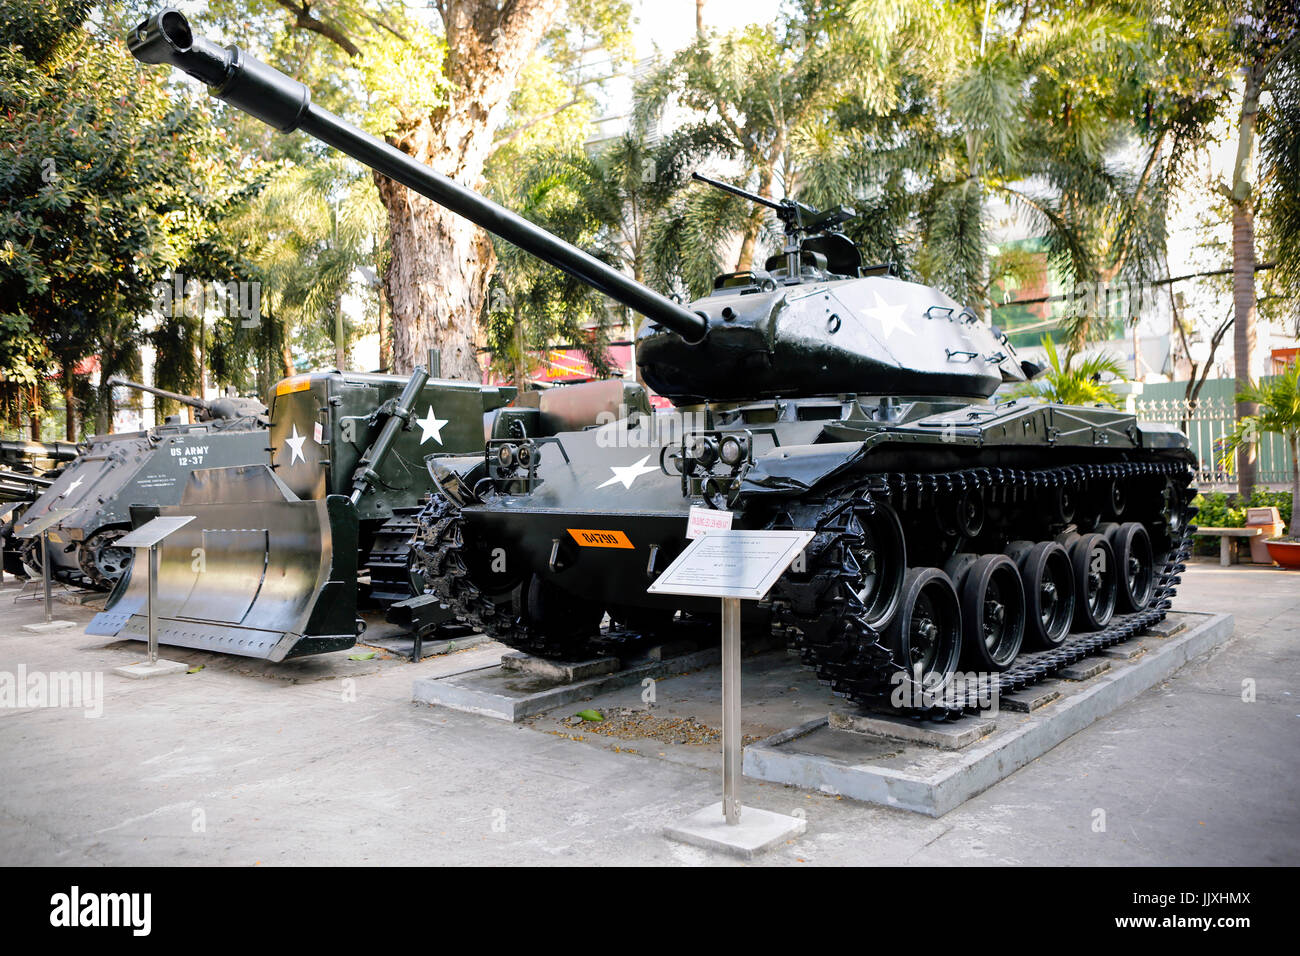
(365, 475)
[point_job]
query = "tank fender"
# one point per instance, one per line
(455, 476)
(1161, 435)
(794, 469)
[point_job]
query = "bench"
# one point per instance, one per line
(1223, 534)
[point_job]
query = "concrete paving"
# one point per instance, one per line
(328, 761)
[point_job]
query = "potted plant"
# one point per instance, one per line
(1279, 412)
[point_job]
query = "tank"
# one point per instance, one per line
(143, 468)
(951, 528)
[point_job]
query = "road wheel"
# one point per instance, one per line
(993, 614)
(1095, 582)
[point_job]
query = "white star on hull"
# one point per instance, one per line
(294, 442)
(430, 427)
(889, 316)
(627, 474)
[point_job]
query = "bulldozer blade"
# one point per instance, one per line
(258, 573)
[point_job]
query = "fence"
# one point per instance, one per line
(1207, 424)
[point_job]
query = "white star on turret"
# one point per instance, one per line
(72, 487)
(889, 316)
(294, 442)
(629, 473)
(430, 427)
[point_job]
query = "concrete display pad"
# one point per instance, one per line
(927, 779)
(513, 693)
(143, 670)
(49, 626)
(403, 644)
(758, 830)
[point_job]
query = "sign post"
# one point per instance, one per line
(41, 526)
(147, 537)
(733, 566)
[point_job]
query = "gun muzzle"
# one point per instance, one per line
(244, 82)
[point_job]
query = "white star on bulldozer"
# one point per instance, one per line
(430, 427)
(72, 487)
(294, 442)
(629, 473)
(889, 316)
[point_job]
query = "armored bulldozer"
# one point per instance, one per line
(148, 467)
(282, 551)
(813, 394)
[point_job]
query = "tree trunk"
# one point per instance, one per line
(385, 339)
(1243, 266)
(69, 402)
(440, 266)
(104, 414)
(437, 281)
(755, 223)
(699, 18)
(1294, 530)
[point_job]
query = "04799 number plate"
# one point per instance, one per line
(591, 538)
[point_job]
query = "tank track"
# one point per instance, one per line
(847, 653)
(99, 558)
(438, 549)
(389, 560)
(850, 656)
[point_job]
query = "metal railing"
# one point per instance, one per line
(1207, 423)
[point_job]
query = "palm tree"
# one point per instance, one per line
(1278, 402)
(309, 231)
(752, 96)
(972, 113)
(531, 306)
(1066, 383)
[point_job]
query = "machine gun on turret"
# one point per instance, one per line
(226, 408)
(814, 247)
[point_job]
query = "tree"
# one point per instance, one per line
(1263, 42)
(441, 97)
(1278, 402)
(752, 94)
(533, 306)
(973, 113)
(105, 185)
(1070, 384)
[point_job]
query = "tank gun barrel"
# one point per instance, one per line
(160, 392)
(285, 104)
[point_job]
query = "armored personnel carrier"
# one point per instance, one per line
(147, 467)
(811, 394)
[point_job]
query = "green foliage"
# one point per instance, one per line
(756, 98)
(1221, 510)
(1279, 412)
(1280, 190)
(1069, 383)
(532, 306)
(108, 181)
